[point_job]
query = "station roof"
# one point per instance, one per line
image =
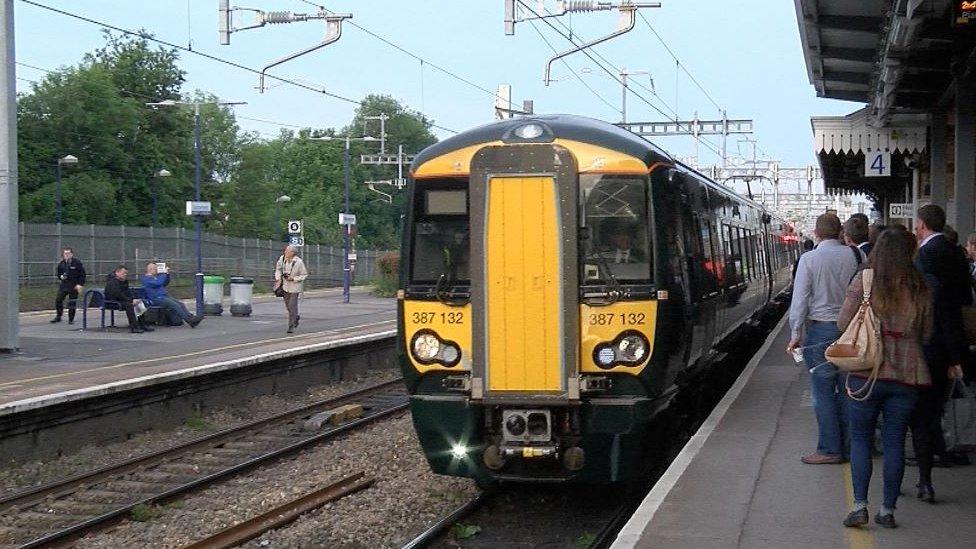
(894, 55)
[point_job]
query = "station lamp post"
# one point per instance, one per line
(68, 160)
(156, 177)
(197, 162)
(346, 226)
(283, 199)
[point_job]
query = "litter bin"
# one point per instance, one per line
(241, 290)
(213, 295)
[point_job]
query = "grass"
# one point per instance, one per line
(385, 287)
(197, 423)
(142, 513)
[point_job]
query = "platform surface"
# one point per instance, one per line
(59, 358)
(740, 483)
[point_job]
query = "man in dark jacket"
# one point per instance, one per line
(117, 289)
(946, 271)
(71, 279)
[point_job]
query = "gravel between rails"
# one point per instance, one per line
(19, 477)
(405, 500)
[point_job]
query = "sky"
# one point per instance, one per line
(746, 54)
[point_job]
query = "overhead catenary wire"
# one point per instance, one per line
(615, 75)
(234, 64)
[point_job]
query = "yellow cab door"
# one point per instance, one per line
(523, 285)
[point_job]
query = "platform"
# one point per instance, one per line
(59, 362)
(739, 481)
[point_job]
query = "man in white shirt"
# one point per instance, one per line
(822, 278)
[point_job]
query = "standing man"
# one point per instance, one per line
(856, 235)
(71, 280)
(290, 274)
(944, 267)
(822, 278)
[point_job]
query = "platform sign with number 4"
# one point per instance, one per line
(877, 164)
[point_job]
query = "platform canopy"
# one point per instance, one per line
(891, 54)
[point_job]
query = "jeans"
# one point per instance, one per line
(827, 390)
(175, 305)
(895, 402)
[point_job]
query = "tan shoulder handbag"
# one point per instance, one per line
(859, 348)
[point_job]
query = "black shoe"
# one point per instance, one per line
(136, 330)
(71, 321)
(911, 462)
(857, 518)
(925, 493)
(885, 521)
(193, 322)
(291, 330)
(146, 328)
(55, 320)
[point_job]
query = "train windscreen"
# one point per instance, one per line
(615, 238)
(440, 233)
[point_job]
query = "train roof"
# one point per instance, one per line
(559, 126)
(574, 128)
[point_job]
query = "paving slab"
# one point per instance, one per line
(739, 482)
(62, 358)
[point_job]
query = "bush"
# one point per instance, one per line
(388, 282)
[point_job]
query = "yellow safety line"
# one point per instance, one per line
(857, 538)
(187, 355)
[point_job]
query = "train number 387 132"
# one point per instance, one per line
(442, 318)
(617, 319)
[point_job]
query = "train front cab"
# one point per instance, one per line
(527, 333)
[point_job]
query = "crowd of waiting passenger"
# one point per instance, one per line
(918, 286)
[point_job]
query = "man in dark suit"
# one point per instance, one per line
(117, 289)
(71, 279)
(946, 271)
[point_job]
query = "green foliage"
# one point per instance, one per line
(388, 282)
(197, 423)
(97, 112)
(584, 541)
(142, 513)
(465, 531)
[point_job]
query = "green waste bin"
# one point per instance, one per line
(213, 295)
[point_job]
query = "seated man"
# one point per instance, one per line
(619, 239)
(154, 283)
(117, 289)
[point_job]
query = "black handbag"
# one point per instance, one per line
(279, 290)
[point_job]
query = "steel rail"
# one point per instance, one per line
(64, 486)
(438, 528)
(284, 514)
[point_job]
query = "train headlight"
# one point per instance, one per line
(529, 131)
(426, 347)
(515, 425)
(605, 356)
(632, 348)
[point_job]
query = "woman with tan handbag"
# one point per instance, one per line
(900, 299)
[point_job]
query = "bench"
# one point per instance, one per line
(95, 297)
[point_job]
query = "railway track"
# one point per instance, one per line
(68, 509)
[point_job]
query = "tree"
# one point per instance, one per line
(97, 112)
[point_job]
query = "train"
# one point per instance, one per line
(563, 281)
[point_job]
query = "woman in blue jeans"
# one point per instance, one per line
(900, 298)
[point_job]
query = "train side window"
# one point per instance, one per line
(709, 269)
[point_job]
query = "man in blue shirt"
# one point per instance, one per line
(822, 277)
(155, 284)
